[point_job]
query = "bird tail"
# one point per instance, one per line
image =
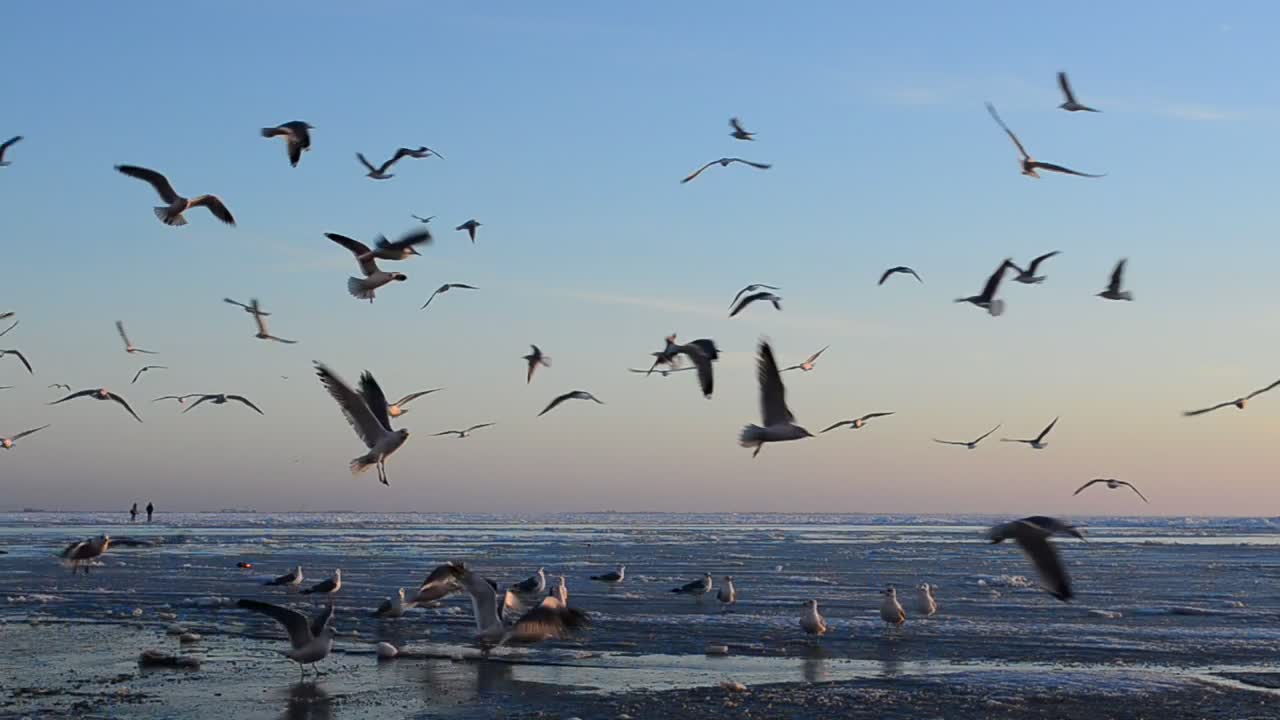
(751, 435)
(362, 463)
(996, 308)
(358, 289)
(167, 219)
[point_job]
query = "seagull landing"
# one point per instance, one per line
(470, 226)
(128, 346)
(8, 442)
(899, 269)
(145, 368)
(807, 365)
(1029, 165)
(1113, 291)
(297, 138)
(574, 395)
(464, 433)
(310, 640)
(725, 162)
(987, 299)
(374, 277)
(397, 408)
(100, 394)
(533, 360)
(367, 414)
(1036, 443)
(972, 444)
(1238, 402)
(779, 423)
(739, 133)
(4, 147)
(857, 423)
(1032, 535)
(1028, 276)
(446, 288)
(1112, 484)
(221, 399)
(171, 214)
(1070, 105)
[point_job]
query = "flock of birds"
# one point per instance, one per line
(528, 611)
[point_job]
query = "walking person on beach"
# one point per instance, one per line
(150, 509)
(133, 513)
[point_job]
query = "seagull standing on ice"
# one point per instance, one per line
(561, 591)
(292, 578)
(171, 214)
(779, 423)
(446, 288)
(21, 357)
(4, 147)
(857, 423)
(1028, 276)
(470, 226)
(311, 640)
(82, 554)
(367, 414)
(297, 138)
(1112, 484)
(739, 132)
(397, 408)
(612, 578)
(811, 621)
(972, 444)
(1238, 402)
(1030, 165)
(890, 609)
(128, 346)
(8, 442)
(1036, 443)
(1070, 105)
(725, 162)
(727, 594)
(1113, 291)
(899, 269)
(574, 395)
(987, 299)
(221, 399)
(1032, 535)
(374, 277)
(328, 586)
(927, 604)
(807, 365)
(534, 359)
(697, 588)
(394, 606)
(100, 394)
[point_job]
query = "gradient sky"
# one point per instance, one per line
(566, 128)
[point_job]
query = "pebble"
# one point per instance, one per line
(733, 686)
(189, 637)
(713, 649)
(137, 612)
(386, 650)
(167, 616)
(174, 629)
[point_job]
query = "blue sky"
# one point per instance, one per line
(565, 130)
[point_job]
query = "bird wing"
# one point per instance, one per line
(440, 582)
(216, 206)
(294, 622)
(1256, 393)
(354, 407)
(414, 396)
(733, 123)
(157, 181)
(417, 237)
(996, 116)
(122, 403)
(21, 357)
(447, 432)
(295, 151)
(25, 433)
(946, 442)
(1066, 87)
(1061, 169)
(463, 286)
(1046, 430)
(245, 400)
(7, 143)
(758, 166)
(1117, 275)
(986, 434)
(375, 399)
(1036, 263)
(773, 394)
(868, 416)
(481, 425)
(6, 330)
(1219, 406)
(433, 297)
(993, 282)
(194, 404)
(748, 300)
(550, 619)
(123, 336)
(698, 172)
(360, 250)
(137, 375)
(700, 359)
(835, 425)
(324, 618)
(554, 403)
(814, 357)
(1094, 481)
(484, 600)
(887, 273)
(366, 163)
(1042, 553)
(1122, 482)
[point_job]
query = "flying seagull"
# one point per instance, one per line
(4, 146)
(171, 214)
(763, 295)
(574, 395)
(328, 586)
(374, 277)
(533, 360)
(259, 317)
(739, 133)
(701, 352)
(63, 386)
(1028, 276)
(470, 226)
(1238, 402)
(128, 346)
(1070, 105)
(297, 138)
(182, 399)
(100, 394)
(972, 444)
(1112, 484)
(144, 369)
(8, 442)
(724, 162)
(464, 433)
(221, 399)
(753, 287)
(81, 554)
(384, 249)
(1113, 291)
(1037, 443)
(987, 298)
(550, 619)
(612, 578)
(252, 309)
(857, 423)
(6, 330)
(807, 365)
(367, 414)
(423, 220)
(21, 357)
(446, 288)
(779, 423)
(380, 172)
(661, 371)
(1032, 535)
(899, 269)
(1029, 165)
(397, 408)
(292, 578)
(310, 640)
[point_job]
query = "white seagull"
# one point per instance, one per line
(724, 162)
(367, 414)
(661, 371)
(311, 640)
(1113, 291)
(328, 586)
(753, 287)
(8, 442)
(1112, 484)
(899, 269)
(701, 352)
(145, 368)
(807, 365)
(423, 220)
(561, 591)
(763, 295)
(397, 408)
(739, 132)
(549, 620)
(470, 226)
(535, 584)
(533, 360)
(779, 423)
(573, 395)
(1036, 443)
(612, 578)
(857, 423)
(1028, 276)
(1030, 165)
(972, 444)
(297, 138)
(171, 214)
(987, 299)
(727, 594)
(890, 609)
(4, 147)
(293, 578)
(441, 582)
(1238, 402)
(221, 399)
(1032, 535)
(100, 394)
(464, 433)
(1070, 105)
(374, 277)
(446, 288)
(928, 605)
(21, 357)
(811, 621)
(128, 346)
(81, 554)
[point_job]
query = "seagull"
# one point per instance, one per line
(987, 298)
(701, 352)
(367, 414)
(811, 621)
(1038, 442)
(534, 359)
(446, 288)
(182, 399)
(550, 619)
(401, 249)
(292, 578)
(470, 226)
(128, 346)
(972, 444)
(1113, 291)
(21, 357)
(695, 587)
(807, 365)
(171, 214)
(380, 172)
(928, 605)
(574, 395)
(328, 586)
(221, 399)
(62, 386)
(727, 594)
(146, 368)
(1238, 402)
(100, 394)
(779, 423)
(464, 433)
(4, 146)
(374, 277)
(1029, 165)
(394, 606)
(1028, 276)
(561, 592)
(724, 162)
(297, 137)
(440, 583)
(311, 640)
(739, 133)
(753, 287)
(259, 317)
(777, 301)
(612, 578)
(1032, 535)
(423, 220)
(857, 423)
(1112, 484)
(899, 269)
(252, 308)
(8, 442)
(82, 553)
(398, 408)
(890, 609)
(536, 584)
(1070, 105)
(661, 371)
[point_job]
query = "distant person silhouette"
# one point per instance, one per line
(133, 513)
(150, 509)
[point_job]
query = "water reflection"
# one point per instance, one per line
(890, 660)
(814, 667)
(308, 701)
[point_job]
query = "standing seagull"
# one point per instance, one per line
(536, 584)
(20, 357)
(446, 288)
(8, 442)
(82, 554)
(1070, 105)
(1113, 291)
(612, 578)
(972, 444)
(739, 133)
(807, 365)
(987, 298)
(811, 621)
(695, 587)
(777, 301)
(144, 369)
(398, 408)
(890, 609)
(328, 586)
(724, 162)
(297, 138)
(727, 594)
(221, 399)
(367, 414)
(171, 214)
(534, 359)
(394, 606)
(1037, 443)
(574, 395)
(100, 394)
(1028, 276)
(779, 423)
(311, 640)
(5, 146)
(1029, 165)
(374, 277)
(899, 269)
(1238, 402)
(750, 289)
(927, 603)
(293, 578)
(561, 591)
(470, 226)
(259, 317)
(1032, 535)
(857, 423)
(128, 346)
(464, 433)
(1112, 484)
